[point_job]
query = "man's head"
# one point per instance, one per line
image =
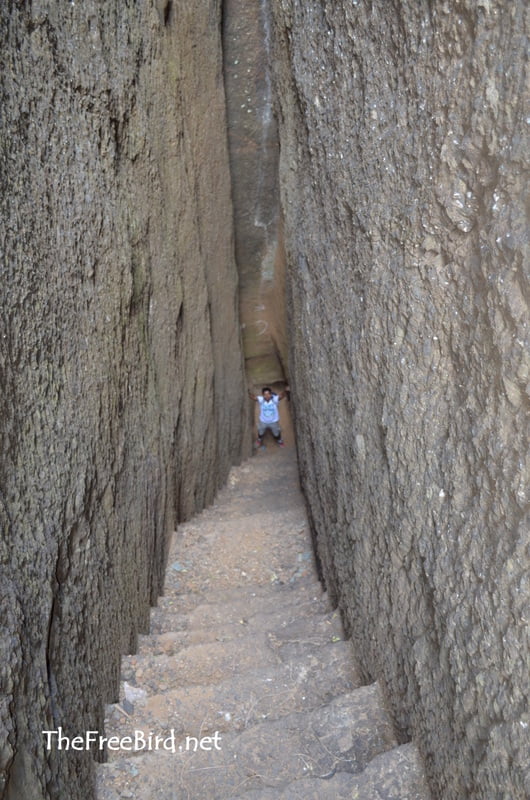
(266, 392)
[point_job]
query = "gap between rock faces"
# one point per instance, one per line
(246, 671)
(254, 534)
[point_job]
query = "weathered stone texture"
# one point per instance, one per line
(122, 383)
(404, 173)
(253, 146)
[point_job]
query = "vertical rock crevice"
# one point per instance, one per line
(253, 146)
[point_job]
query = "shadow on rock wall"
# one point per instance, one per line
(123, 394)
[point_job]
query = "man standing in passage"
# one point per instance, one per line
(269, 416)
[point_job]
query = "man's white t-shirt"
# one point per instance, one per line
(268, 409)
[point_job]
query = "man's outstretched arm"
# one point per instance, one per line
(252, 396)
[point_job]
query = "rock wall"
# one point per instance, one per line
(253, 146)
(404, 175)
(123, 397)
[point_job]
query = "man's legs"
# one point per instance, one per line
(274, 428)
(276, 432)
(261, 433)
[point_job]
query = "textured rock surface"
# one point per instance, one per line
(122, 384)
(404, 147)
(253, 143)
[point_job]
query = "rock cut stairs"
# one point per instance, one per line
(246, 676)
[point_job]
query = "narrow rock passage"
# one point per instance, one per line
(246, 673)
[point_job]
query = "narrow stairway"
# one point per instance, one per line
(246, 677)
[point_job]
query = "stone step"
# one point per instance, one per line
(216, 554)
(265, 583)
(292, 622)
(394, 775)
(211, 662)
(230, 605)
(201, 574)
(256, 497)
(286, 525)
(342, 736)
(240, 701)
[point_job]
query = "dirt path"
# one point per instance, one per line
(246, 677)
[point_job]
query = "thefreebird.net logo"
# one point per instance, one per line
(137, 741)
